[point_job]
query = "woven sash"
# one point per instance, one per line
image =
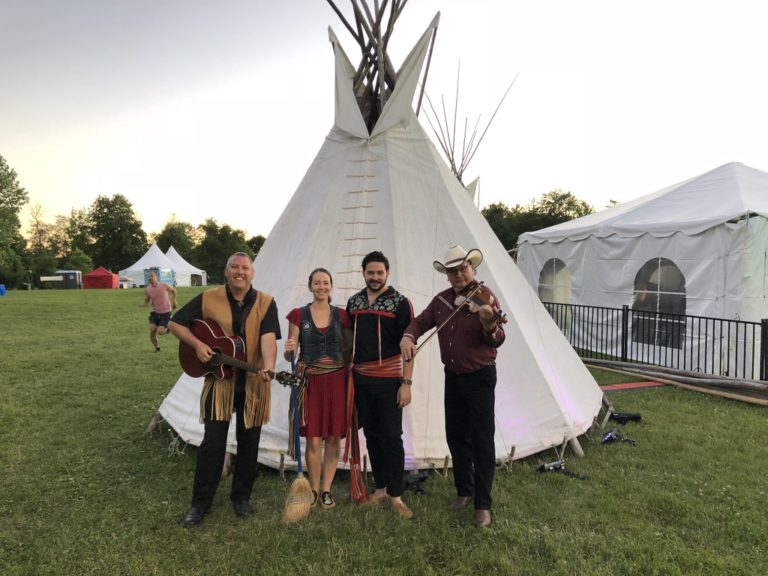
(352, 446)
(322, 366)
(391, 367)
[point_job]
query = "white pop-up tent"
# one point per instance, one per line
(388, 189)
(153, 259)
(697, 248)
(186, 273)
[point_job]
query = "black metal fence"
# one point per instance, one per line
(715, 346)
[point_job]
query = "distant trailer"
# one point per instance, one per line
(69, 279)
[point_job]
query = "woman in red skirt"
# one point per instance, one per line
(322, 334)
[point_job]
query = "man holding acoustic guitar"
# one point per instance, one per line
(217, 329)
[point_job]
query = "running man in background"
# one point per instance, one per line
(162, 297)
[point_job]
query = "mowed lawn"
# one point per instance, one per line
(83, 490)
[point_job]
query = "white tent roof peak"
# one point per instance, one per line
(398, 108)
(153, 258)
(178, 259)
(184, 270)
(728, 192)
(348, 119)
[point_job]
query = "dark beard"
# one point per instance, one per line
(372, 289)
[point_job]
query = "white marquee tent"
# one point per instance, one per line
(186, 273)
(389, 190)
(152, 259)
(697, 248)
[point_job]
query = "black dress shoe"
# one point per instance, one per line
(194, 517)
(483, 518)
(459, 503)
(243, 508)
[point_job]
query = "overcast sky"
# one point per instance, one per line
(216, 109)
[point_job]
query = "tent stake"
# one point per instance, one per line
(608, 406)
(576, 447)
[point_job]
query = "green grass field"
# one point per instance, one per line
(84, 491)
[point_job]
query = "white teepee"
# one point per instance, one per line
(390, 190)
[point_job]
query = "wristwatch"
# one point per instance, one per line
(406, 381)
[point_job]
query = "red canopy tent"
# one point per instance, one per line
(100, 278)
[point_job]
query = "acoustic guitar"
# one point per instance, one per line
(229, 353)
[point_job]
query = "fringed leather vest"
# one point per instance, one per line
(222, 392)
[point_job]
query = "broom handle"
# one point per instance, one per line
(296, 438)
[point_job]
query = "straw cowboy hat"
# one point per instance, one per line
(455, 258)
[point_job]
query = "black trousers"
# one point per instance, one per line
(382, 422)
(469, 429)
(210, 457)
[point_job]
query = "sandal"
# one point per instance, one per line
(314, 498)
(402, 510)
(326, 500)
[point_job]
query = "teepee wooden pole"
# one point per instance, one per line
(343, 20)
(367, 10)
(375, 77)
(382, 72)
(472, 154)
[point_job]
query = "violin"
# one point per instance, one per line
(478, 296)
(467, 298)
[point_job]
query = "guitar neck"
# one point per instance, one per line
(240, 364)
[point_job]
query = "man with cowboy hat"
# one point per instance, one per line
(470, 331)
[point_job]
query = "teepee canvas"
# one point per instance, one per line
(388, 189)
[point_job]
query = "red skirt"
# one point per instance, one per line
(325, 405)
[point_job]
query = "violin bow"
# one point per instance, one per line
(467, 297)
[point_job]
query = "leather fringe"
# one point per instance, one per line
(222, 393)
(258, 399)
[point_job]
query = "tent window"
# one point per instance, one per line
(555, 282)
(658, 310)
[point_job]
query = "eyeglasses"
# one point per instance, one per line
(454, 271)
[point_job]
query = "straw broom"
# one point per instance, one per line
(299, 499)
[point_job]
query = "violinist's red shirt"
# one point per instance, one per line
(464, 345)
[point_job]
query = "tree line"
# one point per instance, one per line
(552, 208)
(109, 233)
